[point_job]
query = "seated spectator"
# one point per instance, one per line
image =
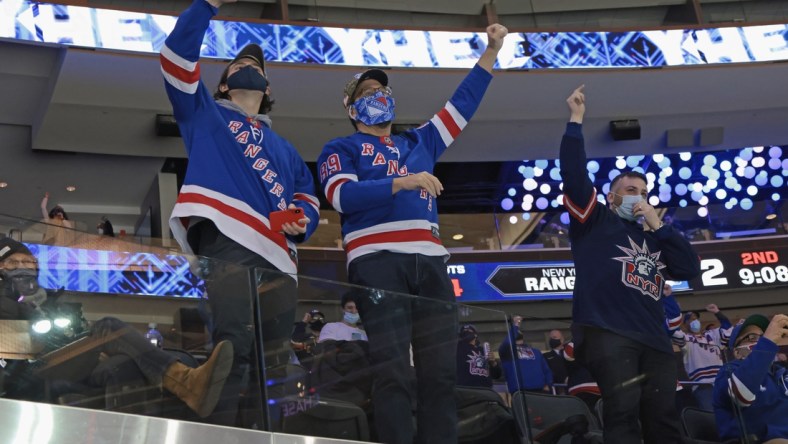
(528, 363)
(305, 334)
(580, 383)
(341, 370)
(753, 389)
(199, 388)
(555, 359)
(59, 229)
(347, 329)
(702, 353)
(476, 366)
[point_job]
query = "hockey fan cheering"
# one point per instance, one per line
(620, 253)
(383, 186)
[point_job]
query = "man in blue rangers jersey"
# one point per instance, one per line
(383, 187)
(753, 389)
(239, 172)
(618, 316)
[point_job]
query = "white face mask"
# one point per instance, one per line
(351, 318)
(695, 326)
(625, 210)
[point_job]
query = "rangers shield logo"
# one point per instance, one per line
(640, 269)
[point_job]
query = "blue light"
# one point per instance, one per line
(633, 161)
(538, 172)
(776, 197)
(682, 203)
(685, 173)
(528, 172)
(703, 211)
(640, 170)
(507, 204)
(785, 165)
(774, 163)
(527, 205)
(706, 170)
(761, 179)
(613, 174)
(734, 201)
(529, 184)
(685, 156)
(526, 216)
(681, 189)
(776, 181)
(725, 165)
(758, 162)
(730, 182)
(749, 172)
(746, 154)
(728, 205)
(664, 197)
(554, 203)
(521, 169)
(664, 163)
(541, 164)
(721, 194)
(711, 184)
(592, 177)
(710, 160)
(775, 152)
(541, 203)
(668, 171)
(606, 188)
(696, 195)
(555, 174)
(565, 218)
(752, 190)
(621, 163)
(665, 188)
(746, 204)
(657, 157)
(544, 188)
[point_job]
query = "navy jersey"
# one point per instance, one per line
(620, 267)
(357, 171)
(239, 169)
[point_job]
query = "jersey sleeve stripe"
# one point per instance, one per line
(742, 394)
(581, 214)
(308, 198)
(178, 72)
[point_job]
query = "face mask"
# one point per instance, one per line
(745, 350)
(247, 78)
(351, 318)
(24, 285)
(695, 326)
(468, 336)
(317, 325)
(625, 209)
(374, 109)
(555, 343)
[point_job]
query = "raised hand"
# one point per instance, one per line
(577, 104)
(495, 36)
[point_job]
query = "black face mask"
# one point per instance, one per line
(247, 78)
(555, 343)
(22, 285)
(317, 325)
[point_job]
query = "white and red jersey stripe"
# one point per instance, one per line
(739, 392)
(334, 186)
(179, 72)
(309, 199)
(237, 220)
(581, 212)
(449, 123)
(410, 236)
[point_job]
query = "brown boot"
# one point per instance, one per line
(200, 387)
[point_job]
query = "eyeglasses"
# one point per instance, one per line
(25, 263)
(366, 92)
(752, 337)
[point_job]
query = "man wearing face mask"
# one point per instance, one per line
(555, 359)
(383, 186)
(702, 353)
(621, 252)
(305, 334)
(753, 389)
(239, 172)
(476, 365)
(348, 329)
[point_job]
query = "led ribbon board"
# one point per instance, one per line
(129, 31)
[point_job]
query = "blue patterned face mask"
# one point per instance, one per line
(374, 109)
(249, 78)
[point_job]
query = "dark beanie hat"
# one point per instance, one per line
(9, 246)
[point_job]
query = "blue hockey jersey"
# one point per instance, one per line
(619, 266)
(357, 171)
(239, 169)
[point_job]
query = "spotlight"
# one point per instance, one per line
(42, 326)
(62, 322)
(771, 216)
(457, 237)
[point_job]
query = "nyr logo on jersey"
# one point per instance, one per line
(640, 269)
(477, 364)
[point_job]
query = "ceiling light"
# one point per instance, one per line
(3, 184)
(71, 188)
(457, 237)
(771, 216)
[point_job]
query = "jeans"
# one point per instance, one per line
(232, 287)
(394, 322)
(637, 383)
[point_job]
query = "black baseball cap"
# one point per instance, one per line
(251, 51)
(759, 320)
(9, 246)
(316, 313)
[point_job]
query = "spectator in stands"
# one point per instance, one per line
(349, 328)
(753, 389)
(580, 383)
(305, 334)
(673, 322)
(104, 227)
(622, 254)
(22, 299)
(239, 172)
(555, 359)
(476, 366)
(702, 353)
(526, 369)
(59, 229)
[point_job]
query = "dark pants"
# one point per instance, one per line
(232, 286)
(637, 383)
(393, 322)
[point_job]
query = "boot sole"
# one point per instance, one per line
(224, 363)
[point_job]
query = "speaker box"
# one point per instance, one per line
(679, 137)
(166, 126)
(711, 136)
(625, 129)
